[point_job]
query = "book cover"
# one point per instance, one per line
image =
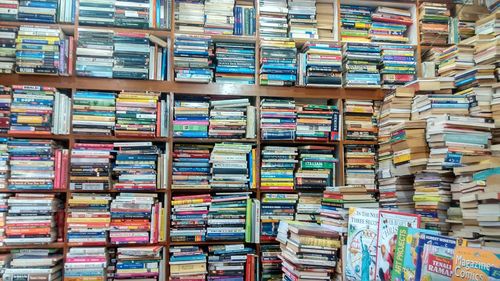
(474, 264)
(435, 257)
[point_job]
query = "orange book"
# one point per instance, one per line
(474, 264)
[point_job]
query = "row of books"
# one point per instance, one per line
(39, 11)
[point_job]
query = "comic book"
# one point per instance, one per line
(435, 257)
(474, 264)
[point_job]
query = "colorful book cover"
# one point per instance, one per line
(474, 264)
(435, 257)
(388, 225)
(405, 256)
(361, 244)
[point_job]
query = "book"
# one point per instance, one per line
(231, 166)
(189, 217)
(131, 54)
(308, 207)
(473, 262)
(302, 19)
(36, 12)
(435, 257)
(398, 65)
(244, 18)
(94, 52)
(219, 17)
(229, 118)
(226, 217)
(34, 263)
(139, 262)
(359, 120)
(433, 21)
(271, 264)
(190, 16)
(273, 21)
(359, 166)
(355, 23)
(138, 114)
(390, 25)
(317, 168)
(228, 261)
(316, 122)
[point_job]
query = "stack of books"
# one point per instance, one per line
(228, 262)
(189, 217)
(235, 63)
(276, 207)
(409, 147)
(94, 53)
(278, 119)
(42, 263)
(191, 166)
(31, 109)
(455, 59)
(244, 17)
(190, 16)
(232, 166)
(389, 25)
(133, 14)
(5, 103)
(355, 23)
(227, 217)
(361, 63)
(101, 13)
(4, 207)
(229, 118)
(135, 218)
(187, 262)
(193, 58)
(94, 112)
(398, 65)
(273, 21)
(136, 166)
(489, 24)
(320, 65)
(308, 207)
(34, 11)
(137, 114)
(324, 16)
(88, 218)
(61, 124)
(131, 55)
(32, 219)
(10, 14)
(396, 193)
(191, 117)
(277, 168)
(86, 263)
(316, 169)
(302, 19)
(219, 17)
(271, 264)
(358, 120)
(425, 106)
(278, 63)
(433, 23)
(360, 164)
(90, 166)
(4, 164)
(8, 48)
(308, 247)
(138, 262)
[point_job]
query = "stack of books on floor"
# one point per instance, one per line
(433, 23)
(31, 109)
(32, 219)
(278, 63)
(314, 121)
(227, 217)
(308, 247)
(189, 217)
(100, 13)
(94, 53)
(361, 63)
(90, 166)
(273, 22)
(137, 114)
(232, 166)
(228, 262)
(131, 56)
(360, 164)
(316, 169)
(86, 263)
(94, 113)
(358, 120)
(190, 16)
(229, 119)
(219, 17)
(308, 207)
(244, 18)
(320, 64)
(191, 117)
(187, 262)
(277, 168)
(455, 59)
(193, 58)
(133, 14)
(191, 167)
(278, 119)
(235, 63)
(88, 218)
(271, 264)
(355, 23)
(390, 25)
(324, 16)
(398, 65)
(136, 166)
(8, 48)
(138, 262)
(302, 19)
(276, 207)
(34, 11)
(46, 264)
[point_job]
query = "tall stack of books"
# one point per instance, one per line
(31, 219)
(42, 263)
(235, 63)
(308, 207)
(191, 117)
(232, 166)
(434, 19)
(244, 17)
(324, 16)
(358, 120)
(133, 14)
(191, 167)
(193, 58)
(219, 17)
(316, 169)
(94, 112)
(136, 166)
(86, 263)
(36, 12)
(361, 65)
(409, 147)
(131, 55)
(31, 109)
(88, 218)
(271, 264)
(4, 207)
(273, 21)
(277, 168)
(137, 114)
(138, 262)
(94, 53)
(299, 242)
(101, 13)
(90, 166)
(190, 16)
(302, 19)
(5, 103)
(187, 262)
(455, 59)
(278, 119)
(8, 48)
(320, 64)
(314, 121)
(389, 25)
(278, 63)
(355, 23)
(360, 164)
(226, 217)
(398, 65)
(189, 217)
(228, 262)
(228, 118)
(4, 164)
(276, 207)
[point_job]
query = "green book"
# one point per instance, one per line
(248, 221)
(201, 128)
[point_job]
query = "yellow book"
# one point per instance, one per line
(474, 264)
(93, 118)
(87, 201)
(254, 169)
(30, 119)
(188, 201)
(27, 39)
(276, 184)
(163, 220)
(70, 220)
(191, 268)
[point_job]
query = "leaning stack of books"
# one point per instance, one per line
(232, 166)
(360, 163)
(271, 264)
(489, 24)
(133, 13)
(244, 17)
(191, 166)
(187, 263)
(138, 262)
(276, 207)
(88, 218)
(45, 264)
(94, 53)
(131, 55)
(90, 166)
(278, 119)
(316, 169)
(455, 59)
(101, 13)
(189, 217)
(190, 16)
(308, 207)
(226, 217)
(389, 25)
(193, 58)
(94, 113)
(314, 121)
(8, 48)
(361, 63)
(34, 11)
(398, 65)
(273, 19)
(278, 63)
(228, 118)
(191, 117)
(86, 263)
(302, 19)
(434, 19)
(136, 114)
(277, 168)
(235, 63)
(358, 120)
(136, 166)
(219, 17)
(355, 23)
(320, 64)
(228, 262)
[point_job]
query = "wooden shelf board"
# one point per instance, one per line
(210, 140)
(299, 142)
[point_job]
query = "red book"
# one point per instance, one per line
(158, 121)
(65, 169)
